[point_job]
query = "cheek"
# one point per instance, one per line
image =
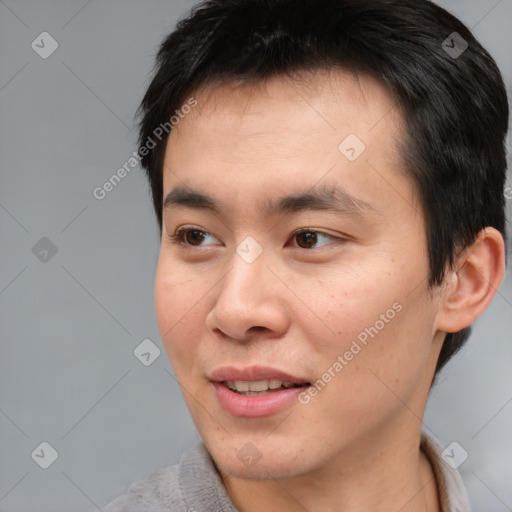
(358, 304)
(384, 351)
(179, 309)
(378, 320)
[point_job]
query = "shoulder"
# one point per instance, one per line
(159, 491)
(452, 492)
(193, 484)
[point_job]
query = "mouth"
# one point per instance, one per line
(256, 391)
(259, 387)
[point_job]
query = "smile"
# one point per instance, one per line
(258, 387)
(256, 391)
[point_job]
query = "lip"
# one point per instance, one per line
(244, 406)
(253, 373)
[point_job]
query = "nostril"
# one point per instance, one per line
(257, 328)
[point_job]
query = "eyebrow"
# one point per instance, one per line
(331, 198)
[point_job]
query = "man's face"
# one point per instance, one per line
(252, 298)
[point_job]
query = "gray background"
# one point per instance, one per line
(69, 325)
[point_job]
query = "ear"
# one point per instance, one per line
(471, 286)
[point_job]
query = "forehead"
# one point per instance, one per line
(361, 99)
(274, 135)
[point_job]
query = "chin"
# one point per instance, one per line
(265, 462)
(262, 470)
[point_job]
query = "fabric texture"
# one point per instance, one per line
(194, 485)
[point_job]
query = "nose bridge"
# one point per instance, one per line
(244, 281)
(245, 297)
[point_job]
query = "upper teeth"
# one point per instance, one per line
(257, 385)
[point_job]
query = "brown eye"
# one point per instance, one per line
(307, 239)
(313, 239)
(190, 237)
(194, 236)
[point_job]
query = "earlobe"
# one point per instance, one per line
(471, 286)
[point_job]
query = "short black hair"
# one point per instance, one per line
(454, 105)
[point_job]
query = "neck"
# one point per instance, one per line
(384, 474)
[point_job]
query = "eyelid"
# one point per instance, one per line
(177, 237)
(318, 231)
(313, 230)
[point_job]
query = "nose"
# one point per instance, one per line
(249, 303)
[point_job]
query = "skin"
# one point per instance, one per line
(355, 445)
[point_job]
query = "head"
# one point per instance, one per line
(261, 116)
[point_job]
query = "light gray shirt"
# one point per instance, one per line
(194, 485)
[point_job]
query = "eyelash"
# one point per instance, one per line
(179, 236)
